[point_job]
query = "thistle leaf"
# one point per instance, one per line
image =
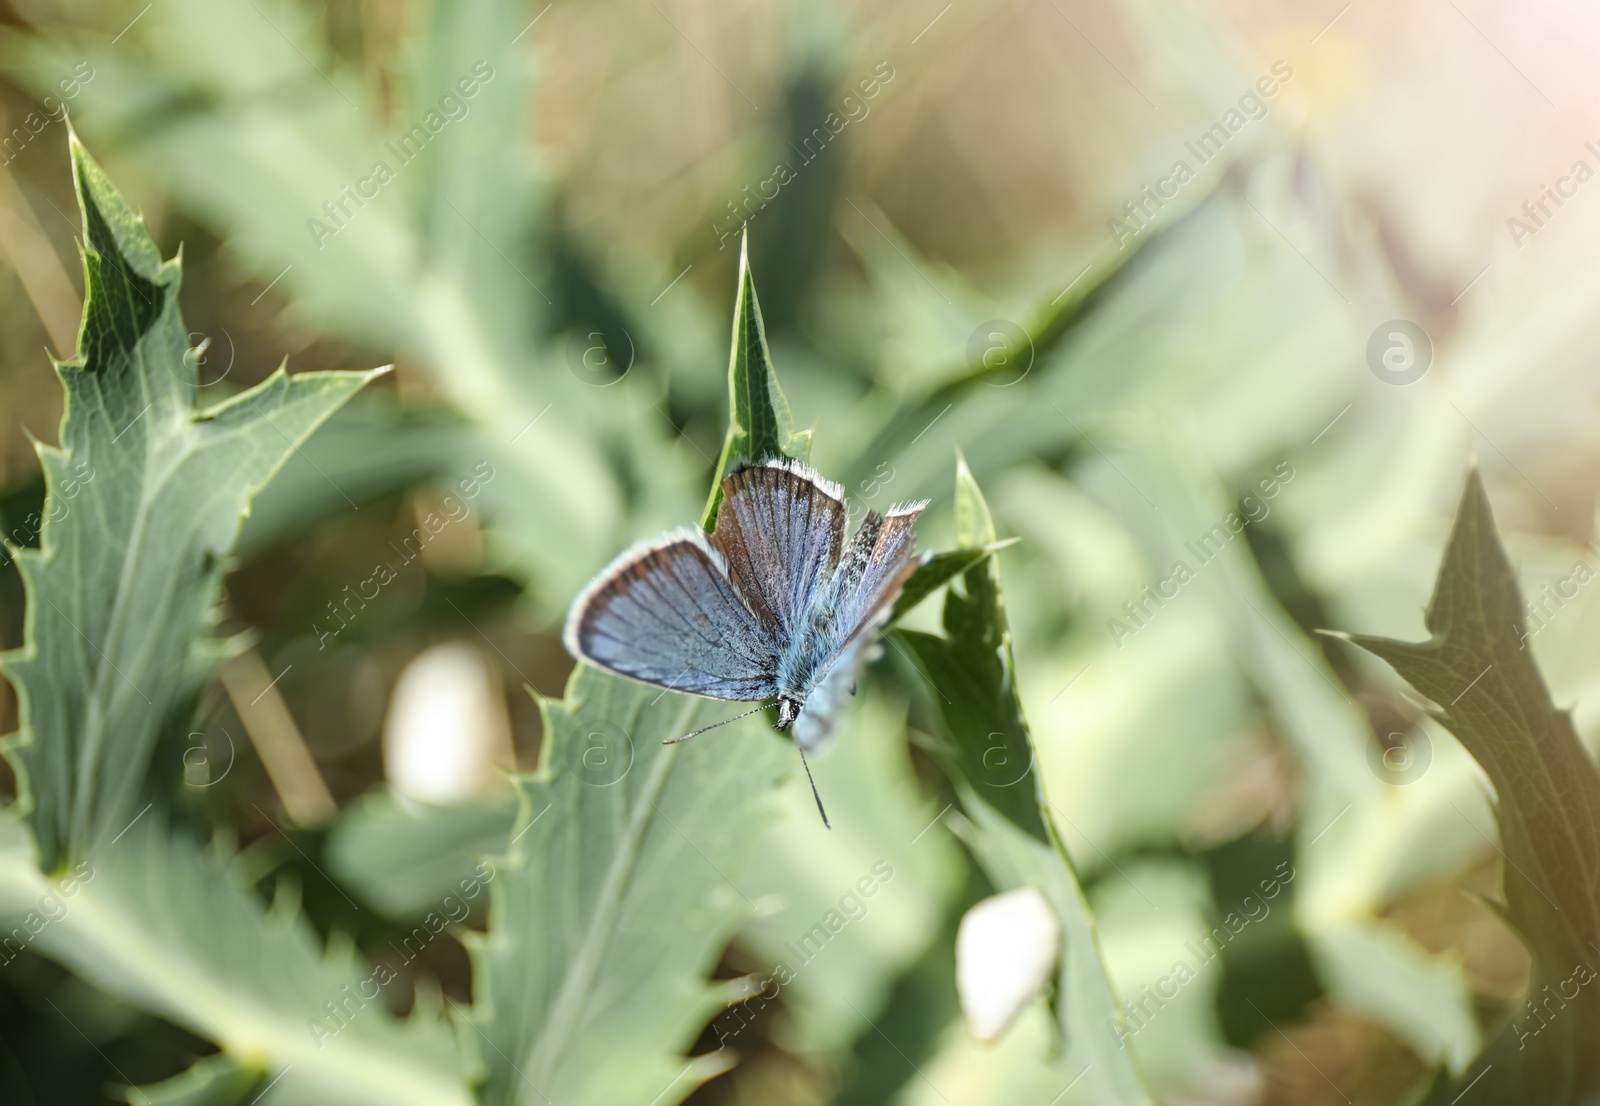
(594, 994)
(145, 494)
(1478, 672)
(759, 423)
(990, 759)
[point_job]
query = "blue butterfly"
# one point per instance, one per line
(774, 604)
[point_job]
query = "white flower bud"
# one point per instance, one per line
(447, 738)
(1006, 948)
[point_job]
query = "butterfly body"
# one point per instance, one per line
(774, 604)
(807, 658)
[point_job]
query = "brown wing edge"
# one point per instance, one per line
(617, 570)
(730, 539)
(804, 471)
(900, 517)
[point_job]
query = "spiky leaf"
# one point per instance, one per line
(146, 493)
(170, 926)
(594, 994)
(970, 670)
(619, 896)
(1009, 826)
(938, 571)
(1476, 669)
(759, 423)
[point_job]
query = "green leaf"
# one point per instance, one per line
(405, 862)
(759, 423)
(1049, 327)
(1009, 825)
(170, 926)
(1476, 669)
(803, 870)
(938, 571)
(971, 672)
(146, 495)
(619, 896)
(213, 1081)
(974, 523)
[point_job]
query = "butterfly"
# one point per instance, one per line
(775, 605)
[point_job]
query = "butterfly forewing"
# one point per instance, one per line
(781, 528)
(665, 613)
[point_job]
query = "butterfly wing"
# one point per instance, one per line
(875, 567)
(781, 528)
(665, 613)
(880, 559)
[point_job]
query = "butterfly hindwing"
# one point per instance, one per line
(781, 529)
(874, 568)
(881, 557)
(665, 613)
(814, 726)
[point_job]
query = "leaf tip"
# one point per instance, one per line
(1474, 492)
(112, 231)
(86, 172)
(974, 522)
(75, 145)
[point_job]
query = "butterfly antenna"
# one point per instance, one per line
(714, 725)
(826, 824)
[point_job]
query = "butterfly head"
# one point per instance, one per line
(788, 711)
